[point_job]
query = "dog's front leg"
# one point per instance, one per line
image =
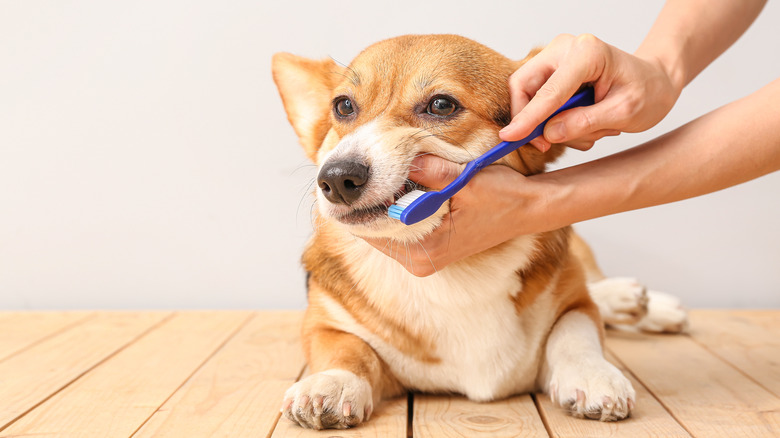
(577, 376)
(347, 380)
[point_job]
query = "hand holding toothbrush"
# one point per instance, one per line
(633, 91)
(483, 214)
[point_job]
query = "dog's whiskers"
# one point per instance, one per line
(302, 166)
(307, 192)
(354, 77)
(429, 257)
(316, 220)
(449, 233)
(408, 258)
(386, 244)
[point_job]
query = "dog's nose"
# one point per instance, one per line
(342, 182)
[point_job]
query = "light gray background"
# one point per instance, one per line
(146, 162)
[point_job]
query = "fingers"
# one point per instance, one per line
(541, 143)
(534, 73)
(434, 172)
(551, 96)
(586, 142)
(547, 81)
(534, 93)
(530, 77)
(580, 123)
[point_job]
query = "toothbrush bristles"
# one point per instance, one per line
(408, 198)
(395, 210)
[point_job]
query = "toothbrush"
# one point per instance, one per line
(418, 205)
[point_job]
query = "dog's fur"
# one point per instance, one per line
(513, 319)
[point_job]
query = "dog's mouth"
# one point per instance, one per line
(373, 213)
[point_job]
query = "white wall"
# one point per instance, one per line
(146, 162)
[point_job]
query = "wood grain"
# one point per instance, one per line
(239, 391)
(117, 397)
(748, 340)
(437, 416)
(705, 394)
(29, 377)
(20, 330)
(222, 374)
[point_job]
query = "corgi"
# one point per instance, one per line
(516, 318)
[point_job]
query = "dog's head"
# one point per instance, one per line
(364, 124)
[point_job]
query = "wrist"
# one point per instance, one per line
(549, 198)
(669, 64)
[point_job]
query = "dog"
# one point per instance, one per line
(513, 319)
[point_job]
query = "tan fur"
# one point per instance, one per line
(326, 267)
(370, 324)
(320, 335)
(305, 88)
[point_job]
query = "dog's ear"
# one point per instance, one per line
(305, 86)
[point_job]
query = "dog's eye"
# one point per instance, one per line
(344, 107)
(441, 106)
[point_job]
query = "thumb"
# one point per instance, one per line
(578, 123)
(434, 172)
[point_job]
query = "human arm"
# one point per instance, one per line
(728, 146)
(633, 92)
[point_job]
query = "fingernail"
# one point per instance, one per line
(555, 132)
(540, 144)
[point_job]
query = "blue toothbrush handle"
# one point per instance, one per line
(429, 202)
(584, 97)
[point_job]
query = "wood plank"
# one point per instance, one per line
(20, 330)
(116, 398)
(649, 418)
(31, 376)
(706, 395)
(388, 421)
(239, 391)
(437, 416)
(749, 340)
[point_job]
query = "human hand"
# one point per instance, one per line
(632, 92)
(482, 215)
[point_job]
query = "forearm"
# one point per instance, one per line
(731, 145)
(689, 34)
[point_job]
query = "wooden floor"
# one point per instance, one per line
(222, 374)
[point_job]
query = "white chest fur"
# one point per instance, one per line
(486, 348)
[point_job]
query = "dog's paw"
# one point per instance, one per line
(665, 314)
(620, 300)
(593, 390)
(332, 399)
